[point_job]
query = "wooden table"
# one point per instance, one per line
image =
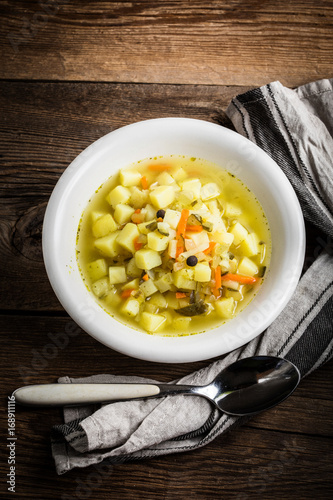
(71, 72)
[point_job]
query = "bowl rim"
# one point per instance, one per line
(157, 348)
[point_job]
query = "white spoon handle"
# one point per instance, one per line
(78, 394)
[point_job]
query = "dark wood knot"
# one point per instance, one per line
(27, 234)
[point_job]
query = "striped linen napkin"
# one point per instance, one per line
(295, 127)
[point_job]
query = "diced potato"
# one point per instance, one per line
(104, 225)
(129, 177)
(162, 196)
(109, 245)
(209, 191)
(192, 185)
(139, 197)
(164, 283)
(159, 300)
(145, 258)
(223, 238)
(151, 322)
(165, 179)
(181, 323)
(157, 241)
(150, 212)
(127, 236)
(123, 213)
(97, 269)
(131, 307)
(225, 307)
(134, 284)
(132, 270)
(96, 215)
(183, 279)
(179, 175)
(202, 272)
(239, 232)
(119, 194)
(172, 217)
(248, 267)
(250, 245)
(100, 287)
(117, 274)
(231, 210)
(148, 288)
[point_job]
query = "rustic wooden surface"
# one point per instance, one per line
(168, 41)
(70, 72)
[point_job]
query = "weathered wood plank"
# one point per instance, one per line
(245, 465)
(51, 343)
(282, 452)
(237, 42)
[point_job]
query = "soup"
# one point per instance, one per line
(173, 245)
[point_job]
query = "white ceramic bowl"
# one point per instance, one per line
(178, 136)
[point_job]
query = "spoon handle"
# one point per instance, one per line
(79, 394)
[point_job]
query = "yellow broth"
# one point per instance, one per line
(122, 234)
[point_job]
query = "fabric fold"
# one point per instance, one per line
(295, 128)
(284, 123)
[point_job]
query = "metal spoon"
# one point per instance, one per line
(247, 386)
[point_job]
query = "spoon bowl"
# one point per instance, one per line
(246, 387)
(254, 384)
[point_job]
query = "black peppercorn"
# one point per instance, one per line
(192, 261)
(160, 214)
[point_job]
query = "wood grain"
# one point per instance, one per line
(70, 72)
(226, 43)
(285, 451)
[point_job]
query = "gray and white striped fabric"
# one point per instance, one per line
(295, 128)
